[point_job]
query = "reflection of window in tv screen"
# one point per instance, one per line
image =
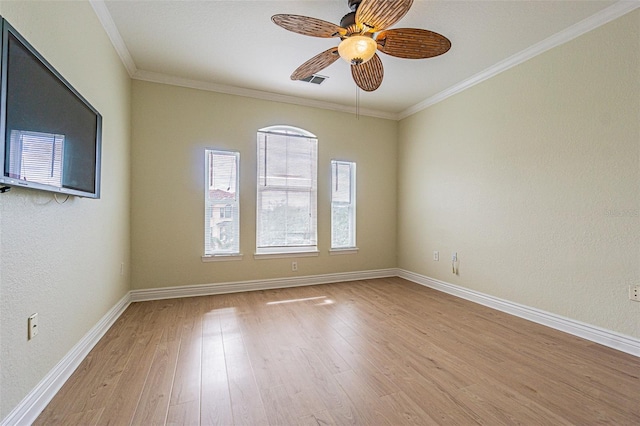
(36, 157)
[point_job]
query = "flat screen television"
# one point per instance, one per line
(50, 136)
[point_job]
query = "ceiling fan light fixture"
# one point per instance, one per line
(356, 50)
(363, 32)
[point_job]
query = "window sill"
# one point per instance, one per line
(283, 255)
(222, 257)
(337, 252)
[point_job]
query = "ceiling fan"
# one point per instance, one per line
(362, 32)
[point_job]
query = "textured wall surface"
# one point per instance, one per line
(171, 128)
(63, 260)
(533, 177)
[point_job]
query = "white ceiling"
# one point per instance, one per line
(233, 47)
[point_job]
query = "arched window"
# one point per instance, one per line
(287, 190)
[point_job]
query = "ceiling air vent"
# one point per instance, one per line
(315, 79)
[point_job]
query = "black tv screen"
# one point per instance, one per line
(51, 136)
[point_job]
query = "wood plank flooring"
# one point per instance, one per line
(374, 352)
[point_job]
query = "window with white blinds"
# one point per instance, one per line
(36, 157)
(222, 213)
(343, 204)
(286, 191)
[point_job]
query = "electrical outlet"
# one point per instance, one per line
(634, 293)
(32, 323)
(436, 256)
(294, 266)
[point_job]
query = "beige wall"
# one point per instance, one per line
(63, 260)
(171, 128)
(533, 177)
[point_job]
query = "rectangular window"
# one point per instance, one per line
(343, 204)
(222, 213)
(36, 157)
(286, 193)
(226, 212)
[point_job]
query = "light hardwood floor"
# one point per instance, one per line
(372, 352)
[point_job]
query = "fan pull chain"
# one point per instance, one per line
(357, 102)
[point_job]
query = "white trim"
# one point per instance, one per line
(288, 131)
(240, 286)
(607, 15)
(28, 410)
(589, 332)
(222, 257)
(338, 251)
(32, 405)
(105, 18)
(155, 77)
(284, 255)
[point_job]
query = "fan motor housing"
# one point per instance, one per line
(348, 20)
(353, 4)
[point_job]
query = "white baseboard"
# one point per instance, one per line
(32, 405)
(589, 332)
(239, 286)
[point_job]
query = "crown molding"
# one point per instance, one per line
(100, 8)
(155, 77)
(605, 16)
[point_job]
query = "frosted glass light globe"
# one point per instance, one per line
(357, 50)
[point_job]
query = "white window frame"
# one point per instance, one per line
(214, 206)
(263, 250)
(349, 205)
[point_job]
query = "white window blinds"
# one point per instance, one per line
(286, 191)
(343, 204)
(222, 213)
(36, 157)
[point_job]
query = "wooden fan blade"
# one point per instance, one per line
(412, 43)
(308, 26)
(368, 76)
(315, 64)
(381, 14)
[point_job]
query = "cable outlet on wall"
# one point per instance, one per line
(454, 263)
(436, 256)
(634, 293)
(32, 324)
(294, 266)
